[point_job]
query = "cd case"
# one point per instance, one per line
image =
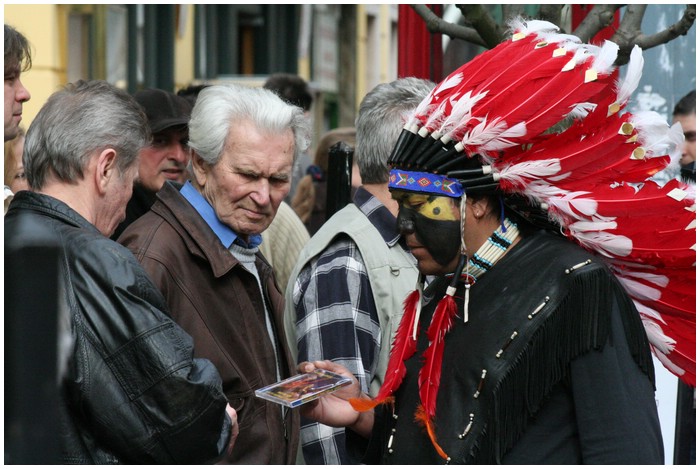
(300, 389)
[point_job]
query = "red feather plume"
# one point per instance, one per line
(430, 372)
(403, 347)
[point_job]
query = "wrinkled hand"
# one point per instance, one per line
(332, 409)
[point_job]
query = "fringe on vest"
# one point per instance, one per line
(581, 323)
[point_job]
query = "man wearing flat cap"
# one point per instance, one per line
(166, 157)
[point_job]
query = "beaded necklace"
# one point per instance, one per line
(492, 250)
(486, 256)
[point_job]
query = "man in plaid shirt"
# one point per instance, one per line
(344, 298)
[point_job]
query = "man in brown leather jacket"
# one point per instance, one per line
(200, 246)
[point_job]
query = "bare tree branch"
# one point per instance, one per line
(552, 13)
(598, 18)
(672, 32)
(630, 32)
(511, 11)
(482, 30)
(436, 24)
(632, 19)
(481, 21)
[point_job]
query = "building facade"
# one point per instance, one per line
(341, 50)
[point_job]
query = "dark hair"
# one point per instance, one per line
(291, 88)
(18, 55)
(191, 92)
(686, 106)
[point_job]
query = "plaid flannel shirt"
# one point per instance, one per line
(337, 320)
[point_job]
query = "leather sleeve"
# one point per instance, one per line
(136, 381)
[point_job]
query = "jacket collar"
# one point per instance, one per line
(225, 234)
(50, 206)
(197, 235)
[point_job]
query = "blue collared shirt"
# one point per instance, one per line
(225, 234)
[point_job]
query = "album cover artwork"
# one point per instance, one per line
(300, 389)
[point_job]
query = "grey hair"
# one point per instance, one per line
(220, 106)
(383, 113)
(83, 118)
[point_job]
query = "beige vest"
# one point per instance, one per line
(392, 275)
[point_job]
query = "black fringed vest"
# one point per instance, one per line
(528, 318)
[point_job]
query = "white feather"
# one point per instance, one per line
(437, 116)
(639, 290)
(581, 53)
(422, 108)
(461, 111)
(581, 110)
(531, 170)
(605, 58)
(538, 26)
(495, 132)
(657, 279)
(632, 77)
(484, 131)
(666, 362)
(567, 41)
(657, 138)
(561, 177)
(448, 84)
(516, 24)
(586, 206)
(501, 142)
(609, 244)
(648, 313)
(657, 338)
(541, 191)
(597, 225)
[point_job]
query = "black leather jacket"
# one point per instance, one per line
(132, 391)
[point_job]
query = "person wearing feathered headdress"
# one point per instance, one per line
(560, 267)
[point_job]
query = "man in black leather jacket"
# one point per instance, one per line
(131, 391)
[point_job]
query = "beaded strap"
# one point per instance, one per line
(493, 249)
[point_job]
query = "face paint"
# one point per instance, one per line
(433, 221)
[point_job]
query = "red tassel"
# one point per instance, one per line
(429, 376)
(403, 347)
(423, 419)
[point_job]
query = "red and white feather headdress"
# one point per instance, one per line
(544, 115)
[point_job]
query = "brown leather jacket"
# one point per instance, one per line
(218, 302)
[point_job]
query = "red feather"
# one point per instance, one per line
(422, 418)
(481, 72)
(665, 297)
(403, 347)
(430, 372)
(560, 93)
(491, 65)
(649, 240)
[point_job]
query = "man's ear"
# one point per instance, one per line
(478, 206)
(106, 169)
(199, 169)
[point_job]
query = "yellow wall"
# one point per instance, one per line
(45, 28)
(184, 49)
(39, 23)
